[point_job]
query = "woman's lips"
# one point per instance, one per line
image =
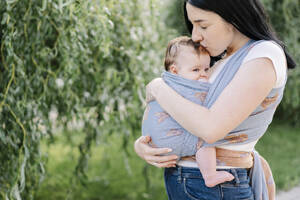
(206, 48)
(203, 45)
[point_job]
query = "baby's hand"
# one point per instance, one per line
(149, 96)
(150, 88)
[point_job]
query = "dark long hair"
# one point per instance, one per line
(247, 16)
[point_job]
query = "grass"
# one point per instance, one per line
(113, 175)
(281, 147)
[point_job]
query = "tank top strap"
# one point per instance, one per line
(228, 72)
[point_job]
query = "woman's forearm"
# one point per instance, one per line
(191, 116)
(238, 100)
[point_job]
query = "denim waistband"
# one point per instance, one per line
(240, 174)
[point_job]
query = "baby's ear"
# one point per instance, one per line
(173, 69)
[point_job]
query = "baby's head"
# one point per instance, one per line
(185, 58)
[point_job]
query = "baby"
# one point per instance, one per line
(184, 60)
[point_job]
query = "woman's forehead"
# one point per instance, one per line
(197, 15)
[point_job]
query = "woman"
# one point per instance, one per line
(222, 26)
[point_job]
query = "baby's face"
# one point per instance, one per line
(191, 65)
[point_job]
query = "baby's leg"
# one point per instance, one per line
(206, 160)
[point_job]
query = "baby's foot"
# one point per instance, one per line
(217, 178)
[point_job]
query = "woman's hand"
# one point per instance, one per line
(151, 89)
(153, 155)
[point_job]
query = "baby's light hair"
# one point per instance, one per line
(174, 48)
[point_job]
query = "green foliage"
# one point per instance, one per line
(175, 17)
(280, 148)
(65, 61)
(284, 16)
(112, 174)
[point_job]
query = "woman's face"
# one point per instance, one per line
(213, 33)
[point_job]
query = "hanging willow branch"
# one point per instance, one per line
(86, 61)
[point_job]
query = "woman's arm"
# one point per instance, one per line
(152, 155)
(251, 84)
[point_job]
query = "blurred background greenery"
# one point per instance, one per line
(72, 88)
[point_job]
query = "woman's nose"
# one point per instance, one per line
(196, 36)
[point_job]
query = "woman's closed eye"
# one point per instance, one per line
(202, 27)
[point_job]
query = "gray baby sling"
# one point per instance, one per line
(248, 131)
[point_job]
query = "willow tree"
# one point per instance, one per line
(86, 60)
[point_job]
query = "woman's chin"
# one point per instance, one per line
(211, 52)
(214, 53)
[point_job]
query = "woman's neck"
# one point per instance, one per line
(237, 43)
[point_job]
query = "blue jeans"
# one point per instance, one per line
(185, 183)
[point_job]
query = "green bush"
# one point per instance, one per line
(66, 61)
(284, 16)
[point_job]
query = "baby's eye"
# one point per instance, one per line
(196, 70)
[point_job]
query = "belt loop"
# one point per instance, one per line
(236, 176)
(179, 178)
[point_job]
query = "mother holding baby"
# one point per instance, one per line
(246, 87)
